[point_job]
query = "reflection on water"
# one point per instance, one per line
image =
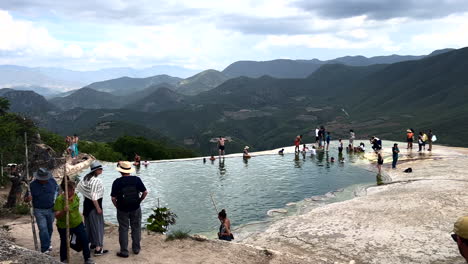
(247, 189)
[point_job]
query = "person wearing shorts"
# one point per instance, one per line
(221, 146)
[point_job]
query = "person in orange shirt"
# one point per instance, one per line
(409, 138)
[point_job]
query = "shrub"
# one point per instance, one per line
(102, 151)
(178, 234)
(22, 209)
(55, 141)
(160, 219)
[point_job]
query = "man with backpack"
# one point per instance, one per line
(127, 193)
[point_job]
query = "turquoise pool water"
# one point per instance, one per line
(246, 189)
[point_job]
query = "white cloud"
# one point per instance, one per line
(449, 32)
(73, 51)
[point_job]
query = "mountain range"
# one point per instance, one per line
(58, 80)
(268, 112)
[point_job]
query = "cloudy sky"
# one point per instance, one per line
(90, 34)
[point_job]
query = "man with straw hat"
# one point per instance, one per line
(460, 230)
(127, 193)
(44, 189)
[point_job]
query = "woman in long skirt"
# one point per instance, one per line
(92, 189)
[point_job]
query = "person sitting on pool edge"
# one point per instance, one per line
(225, 227)
(460, 228)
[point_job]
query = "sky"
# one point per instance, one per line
(203, 34)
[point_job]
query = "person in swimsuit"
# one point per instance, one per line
(221, 147)
(352, 136)
(281, 152)
(246, 154)
(340, 146)
(137, 160)
(328, 138)
(297, 143)
(379, 162)
(225, 227)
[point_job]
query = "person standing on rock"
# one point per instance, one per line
(75, 224)
(429, 139)
(127, 193)
(395, 151)
(44, 189)
(409, 138)
(93, 191)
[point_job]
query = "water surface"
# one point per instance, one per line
(246, 189)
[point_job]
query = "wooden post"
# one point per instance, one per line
(28, 180)
(67, 215)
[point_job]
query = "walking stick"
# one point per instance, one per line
(67, 213)
(214, 204)
(28, 180)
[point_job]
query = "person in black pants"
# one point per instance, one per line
(127, 193)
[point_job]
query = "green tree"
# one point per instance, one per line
(4, 105)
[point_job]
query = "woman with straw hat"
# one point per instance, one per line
(93, 191)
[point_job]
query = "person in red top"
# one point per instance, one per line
(297, 143)
(409, 138)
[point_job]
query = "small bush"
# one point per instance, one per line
(160, 220)
(178, 234)
(22, 209)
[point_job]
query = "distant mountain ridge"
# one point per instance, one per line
(302, 68)
(200, 82)
(61, 79)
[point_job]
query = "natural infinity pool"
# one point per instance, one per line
(247, 190)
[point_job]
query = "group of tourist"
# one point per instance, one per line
(72, 143)
(49, 203)
(128, 191)
(423, 139)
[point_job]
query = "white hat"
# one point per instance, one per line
(125, 167)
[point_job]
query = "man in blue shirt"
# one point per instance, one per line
(44, 190)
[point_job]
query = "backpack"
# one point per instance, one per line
(130, 197)
(408, 170)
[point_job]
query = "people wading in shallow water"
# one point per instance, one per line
(327, 139)
(137, 160)
(225, 227)
(246, 154)
(395, 151)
